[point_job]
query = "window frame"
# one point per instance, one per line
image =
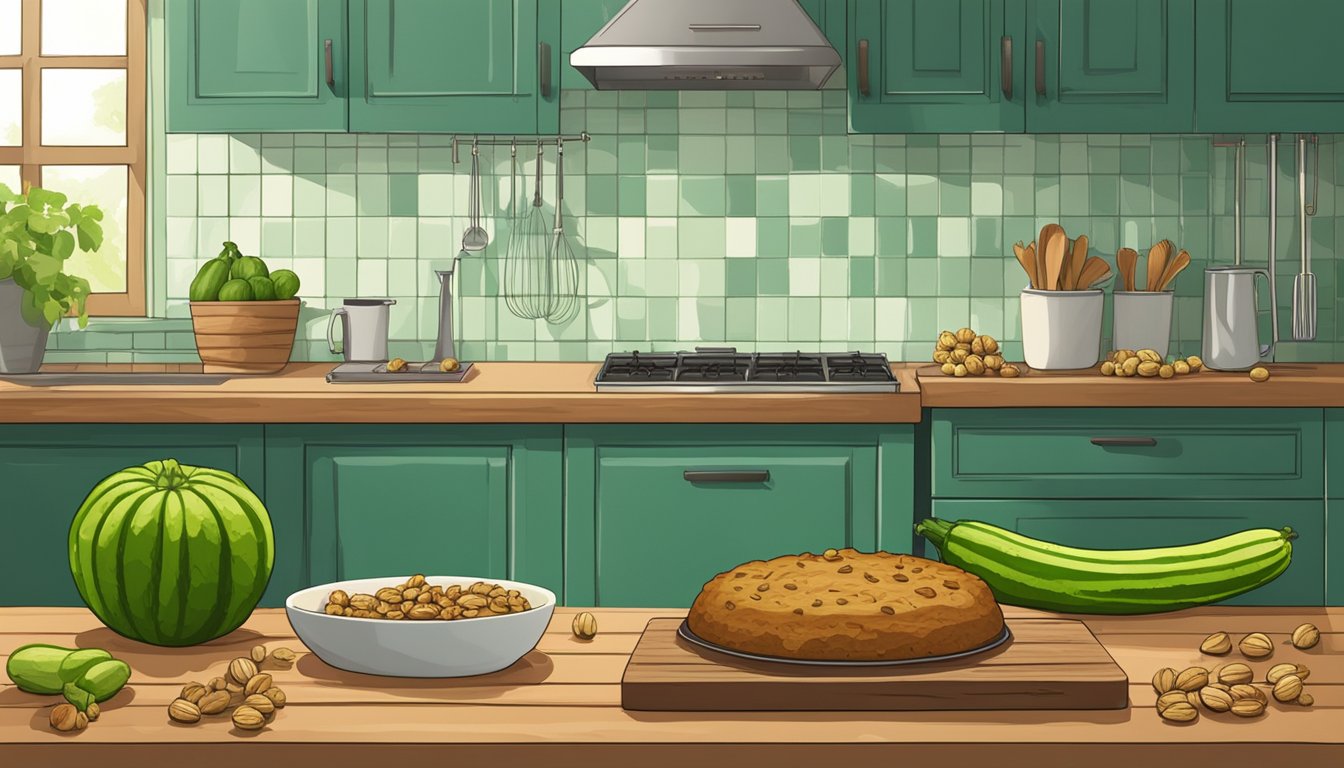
(32, 154)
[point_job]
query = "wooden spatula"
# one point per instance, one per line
(1157, 263)
(1028, 262)
(1042, 241)
(1173, 269)
(1054, 259)
(1127, 260)
(1077, 257)
(1095, 270)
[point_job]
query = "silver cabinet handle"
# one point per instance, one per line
(544, 69)
(1127, 442)
(1006, 67)
(331, 70)
(724, 27)
(726, 475)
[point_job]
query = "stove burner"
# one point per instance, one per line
(634, 367)
(857, 366)
(788, 367)
(714, 367)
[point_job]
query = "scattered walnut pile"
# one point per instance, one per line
(250, 693)
(966, 354)
(418, 601)
(1232, 687)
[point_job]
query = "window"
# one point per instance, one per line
(72, 119)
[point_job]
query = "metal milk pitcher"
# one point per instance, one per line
(1231, 339)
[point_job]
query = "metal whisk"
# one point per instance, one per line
(563, 267)
(526, 262)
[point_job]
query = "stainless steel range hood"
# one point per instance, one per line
(710, 45)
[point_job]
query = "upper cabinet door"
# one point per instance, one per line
(1108, 66)
(928, 66)
(1270, 66)
(256, 65)
(487, 66)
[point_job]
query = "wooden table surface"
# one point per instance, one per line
(492, 393)
(1304, 385)
(561, 704)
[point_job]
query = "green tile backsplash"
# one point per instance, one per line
(750, 219)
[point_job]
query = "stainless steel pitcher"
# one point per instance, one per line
(1231, 338)
(364, 323)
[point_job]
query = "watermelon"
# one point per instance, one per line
(236, 290)
(246, 267)
(262, 288)
(171, 554)
(206, 285)
(286, 283)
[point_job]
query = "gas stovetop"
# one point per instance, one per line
(724, 369)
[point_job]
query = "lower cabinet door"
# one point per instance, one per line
(47, 471)
(1142, 523)
(391, 501)
(648, 525)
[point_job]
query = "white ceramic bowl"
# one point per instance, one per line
(419, 648)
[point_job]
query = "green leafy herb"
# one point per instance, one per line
(35, 241)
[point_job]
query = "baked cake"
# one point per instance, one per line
(846, 605)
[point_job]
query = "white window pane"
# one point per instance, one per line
(83, 28)
(11, 27)
(11, 107)
(83, 107)
(106, 187)
(9, 176)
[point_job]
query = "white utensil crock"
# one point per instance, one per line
(1142, 320)
(1061, 330)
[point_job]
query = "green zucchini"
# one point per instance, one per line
(1038, 574)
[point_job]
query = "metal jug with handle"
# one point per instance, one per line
(1231, 338)
(364, 323)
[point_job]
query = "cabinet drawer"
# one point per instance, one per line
(1213, 453)
(1141, 523)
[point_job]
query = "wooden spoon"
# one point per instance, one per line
(1077, 257)
(1094, 271)
(1028, 262)
(1054, 259)
(1127, 259)
(1042, 241)
(1173, 269)
(1157, 263)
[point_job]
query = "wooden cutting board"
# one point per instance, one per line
(1049, 664)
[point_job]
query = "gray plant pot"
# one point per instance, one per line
(21, 345)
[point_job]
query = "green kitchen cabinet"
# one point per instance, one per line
(1161, 522)
(488, 66)
(930, 66)
(654, 511)
(1099, 66)
(1269, 66)
(256, 65)
(1334, 505)
(392, 500)
(48, 469)
(1193, 453)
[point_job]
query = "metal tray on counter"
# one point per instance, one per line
(377, 373)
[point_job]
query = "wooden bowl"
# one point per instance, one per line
(244, 336)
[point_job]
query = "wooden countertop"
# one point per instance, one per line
(1306, 385)
(533, 393)
(560, 706)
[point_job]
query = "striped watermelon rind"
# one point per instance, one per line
(171, 554)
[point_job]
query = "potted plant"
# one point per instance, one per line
(244, 315)
(38, 232)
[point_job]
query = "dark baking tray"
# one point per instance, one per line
(376, 373)
(685, 633)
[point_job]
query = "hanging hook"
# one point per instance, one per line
(475, 147)
(1310, 210)
(513, 147)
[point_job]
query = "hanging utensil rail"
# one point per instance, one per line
(506, 141)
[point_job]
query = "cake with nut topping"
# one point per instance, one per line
(846, 605)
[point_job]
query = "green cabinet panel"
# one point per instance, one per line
(1334, 505)
(1111, 66)
(933, 66)
(489, 66)
(1269, 66)
(1215, 453)
(641, 531)
(1166, 522)
(395, 500)
(256, 65)
(47, 470)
